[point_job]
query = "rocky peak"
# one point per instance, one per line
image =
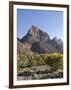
(36, 34)
(33, 31)
(58, 41)
(55, 39)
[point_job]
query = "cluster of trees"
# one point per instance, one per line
(55, 60)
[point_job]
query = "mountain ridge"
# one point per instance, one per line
(39, 41)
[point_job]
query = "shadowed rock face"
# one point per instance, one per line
(38, 41)
(39, 47)
(57, 43)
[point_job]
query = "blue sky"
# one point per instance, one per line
(48, 21)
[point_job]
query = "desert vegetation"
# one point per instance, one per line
(40, 64)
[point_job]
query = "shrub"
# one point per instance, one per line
(39, 60)
(55, 60)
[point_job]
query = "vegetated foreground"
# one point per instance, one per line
(35, 66)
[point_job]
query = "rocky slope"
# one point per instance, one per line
(39, 72)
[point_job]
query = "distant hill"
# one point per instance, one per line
(39, 41)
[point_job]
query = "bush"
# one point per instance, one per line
(39, 60)
(55, 60)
